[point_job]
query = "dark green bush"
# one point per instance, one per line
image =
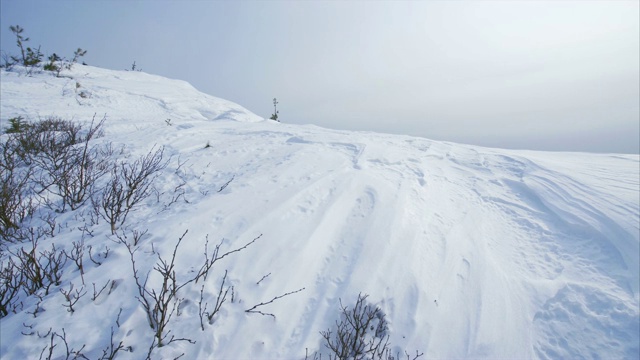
(16, 125)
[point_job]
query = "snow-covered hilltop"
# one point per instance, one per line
(470, 252)
(121, 95)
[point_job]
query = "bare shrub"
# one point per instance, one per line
(68, 353)
(97, 293)
(220, 300)
(76, 254)
(47, 139)
(84, 165)
(69, 166)
(160, 303)
(133, 238)
(15, 204)
(62, 160)
(38, 295)
(10, 283)
(361, 333)
(215, 256)
(130, 184)
(110, 352)
(99, 255)
(72, 297)
(40, 269)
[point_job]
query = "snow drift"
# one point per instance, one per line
(470, 252)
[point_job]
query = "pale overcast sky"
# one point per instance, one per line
(556, 75)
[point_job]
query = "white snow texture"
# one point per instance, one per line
(470, 252)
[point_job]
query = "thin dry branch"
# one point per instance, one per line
(253, 309)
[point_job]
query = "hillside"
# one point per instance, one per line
(470, 252)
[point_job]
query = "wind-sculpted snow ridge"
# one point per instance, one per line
(470, 252)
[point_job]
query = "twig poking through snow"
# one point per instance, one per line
(252, 310)
(264, 277)
(226, 184)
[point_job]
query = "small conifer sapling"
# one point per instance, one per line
(274, 116)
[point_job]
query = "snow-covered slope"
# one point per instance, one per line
(470, 252)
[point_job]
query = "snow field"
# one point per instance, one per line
(471, 252)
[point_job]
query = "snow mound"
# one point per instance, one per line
(125, 96)
(470, 252)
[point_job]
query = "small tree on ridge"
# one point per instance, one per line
(274, 116)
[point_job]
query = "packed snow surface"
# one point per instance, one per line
(470, 252)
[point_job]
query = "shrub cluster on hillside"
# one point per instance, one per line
(53, 167)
